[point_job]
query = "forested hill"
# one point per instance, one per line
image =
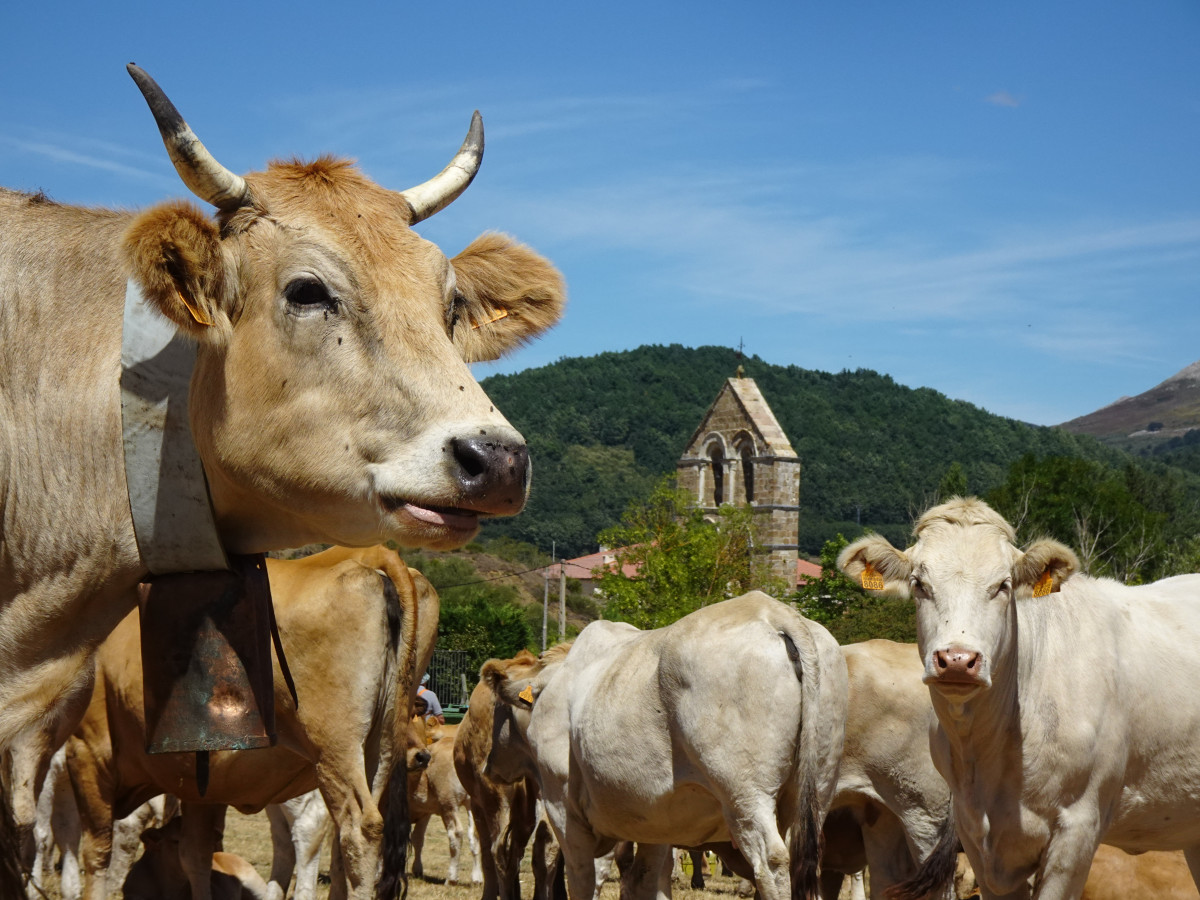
(603, 429)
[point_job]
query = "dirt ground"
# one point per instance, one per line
(250, 838)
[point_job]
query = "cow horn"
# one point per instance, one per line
(443, 189)
(199, 169)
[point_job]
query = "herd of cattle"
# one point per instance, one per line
(322, 348)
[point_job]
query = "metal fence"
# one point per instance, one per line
(450, 677)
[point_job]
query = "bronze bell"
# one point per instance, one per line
(206, 659)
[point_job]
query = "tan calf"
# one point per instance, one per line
(439, 792)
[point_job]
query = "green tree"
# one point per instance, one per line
(1118, 520)
(849, 612)
(684, 561)
(478, 616)
(953, 483)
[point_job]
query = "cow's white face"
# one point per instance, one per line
(331, 399)
(965, 574)
(962, 584)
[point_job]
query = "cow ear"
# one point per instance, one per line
(516, 692)
(1044, 566)
(873, 555)
(173, 252)
(507, 296)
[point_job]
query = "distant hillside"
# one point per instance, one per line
(603, 429)
(1166, 411)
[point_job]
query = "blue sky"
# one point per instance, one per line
(1000, 201)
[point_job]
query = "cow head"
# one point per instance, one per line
(331, 398)
(963, 572)
(516, 684)
(416, 744)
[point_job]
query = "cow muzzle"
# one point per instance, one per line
(492, 473)
(957, 670)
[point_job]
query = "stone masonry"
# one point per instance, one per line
(740, 454)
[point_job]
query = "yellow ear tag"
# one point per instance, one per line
(1043, 585)
(871, 580)
(503, 314)
(198, 314)
(527, 694)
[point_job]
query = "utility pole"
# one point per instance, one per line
(546, 593)
(562, 602)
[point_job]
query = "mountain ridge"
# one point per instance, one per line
(1170, 409)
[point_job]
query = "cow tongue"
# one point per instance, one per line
(450, 518)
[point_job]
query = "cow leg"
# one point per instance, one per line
(756, 835)
(831, 884)
(283, 852)
(522, 819)
(56, 789)
(309, 827)
(66, 834)
(357, 822)
(200, 837)
(92, 787)
(697, 859)
(1066, 862)
(337, 873)
(887, 852)
(1192, 855)
(546, 861)
(649, 875)
(484, 855)
(580, 847)
(417, 842)
(454, 839)
(477, 867)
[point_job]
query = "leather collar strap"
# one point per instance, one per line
(168, 493)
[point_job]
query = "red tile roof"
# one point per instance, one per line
(582, 567)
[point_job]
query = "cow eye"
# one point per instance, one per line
(308, 295)
(918, 589)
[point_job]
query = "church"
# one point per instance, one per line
(740, 455)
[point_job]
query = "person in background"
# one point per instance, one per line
(433, 706)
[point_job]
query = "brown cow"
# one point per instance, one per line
(347, 737)
(504, 811)
(330, 399)
(158, 872)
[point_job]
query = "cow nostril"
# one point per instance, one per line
(471, 456)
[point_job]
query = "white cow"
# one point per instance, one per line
(888, 788)
(1065, 720)
(725, 725)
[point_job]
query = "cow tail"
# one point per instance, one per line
(936, 875)
(816, 755)
(397, 825)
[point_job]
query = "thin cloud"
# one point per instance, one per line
(1003, 98)
(73, 157)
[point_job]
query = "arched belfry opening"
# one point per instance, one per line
(716, 456)
(739, 454)
(744, 445)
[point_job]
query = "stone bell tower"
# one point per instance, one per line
(738, 455)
